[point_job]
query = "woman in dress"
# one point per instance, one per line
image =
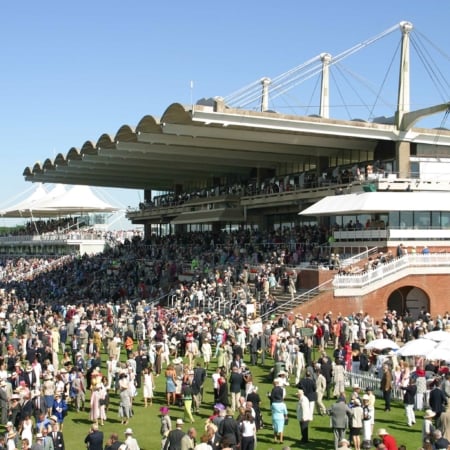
(166, 422)
(125, 401)
(26, 429)
(149, 385)
(11, 442)
(338, 378)
(206, 350)
(59, 409)
(279, 416)
(356, 424)
(170, 384)
(94, 413)
(222, 357)
(48, 390)
(159, 349)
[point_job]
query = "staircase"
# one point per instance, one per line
(286, 304)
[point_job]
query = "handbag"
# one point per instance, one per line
(286, 420)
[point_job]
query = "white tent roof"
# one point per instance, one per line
(61, 202)
(379, 202)
(22, 208)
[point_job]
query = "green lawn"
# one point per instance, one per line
(146, 422)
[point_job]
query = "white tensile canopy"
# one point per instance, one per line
(59, 202)
(20, 208)
(379, 202)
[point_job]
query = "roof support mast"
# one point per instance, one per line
(403, 103)
(325, 88)
(404, 118)
(403, 149)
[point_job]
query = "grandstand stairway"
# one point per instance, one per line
(286, 304)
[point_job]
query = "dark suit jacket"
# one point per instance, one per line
(58, 441)
(437, 400)
(42, 408)
(114, 446)
(229, 428)
(94, 440)
(173, 441)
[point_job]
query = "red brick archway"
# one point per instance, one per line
(408, 298)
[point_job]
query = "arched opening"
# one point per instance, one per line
(409, 299)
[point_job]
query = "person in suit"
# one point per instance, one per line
(175, 436)
(57, 436)
(27, 407)
(235, 387)
(47, 439)
(39, 444)
(386, 387)
(94, 439)
(39, 406)
(229, 429)
(340, 414)
(30, 377)
(197, 385)
(437, 399)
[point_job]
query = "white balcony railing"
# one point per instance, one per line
(359, 280)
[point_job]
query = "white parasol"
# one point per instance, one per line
(417, 347)
(440, 352)
(381, 344)
(437, 335)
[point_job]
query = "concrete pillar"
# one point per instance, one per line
(402, 155)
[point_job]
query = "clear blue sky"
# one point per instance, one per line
(72, 71)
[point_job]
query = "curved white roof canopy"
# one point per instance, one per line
(60, 202)
(379, 202)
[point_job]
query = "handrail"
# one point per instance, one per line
(298, 300)
(359, 257)
(342, 281)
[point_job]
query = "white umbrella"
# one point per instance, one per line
(441, 354)
(417, 347)
(381, 344)
(437, 335)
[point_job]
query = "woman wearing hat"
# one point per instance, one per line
(427, 425)
(356, 424)
(279, 417)
(48, 389)
(388, 440)
(125, 399)
(11, 441)
(166, 422)
(59, 409)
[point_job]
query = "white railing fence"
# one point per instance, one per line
(342, 281)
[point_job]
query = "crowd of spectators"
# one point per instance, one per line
(56, 326)
(272, 185)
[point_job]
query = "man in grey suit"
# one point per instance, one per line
(340, 414)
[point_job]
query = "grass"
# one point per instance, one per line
(146, 422)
